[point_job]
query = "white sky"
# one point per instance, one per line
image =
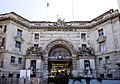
(37, 10)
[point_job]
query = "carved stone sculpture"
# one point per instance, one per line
(37, 51)
(84, 51)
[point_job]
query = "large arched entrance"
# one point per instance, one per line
(59, 60)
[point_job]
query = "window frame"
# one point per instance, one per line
(19, 32)
(107, 59)
(102, 46)
(84, 45)
(36, 36)
(5, 28)
(100, 61)
(100, 32)
(19, 60)
(36, 45)
(12, 61)
(18, 46)
(83, 36)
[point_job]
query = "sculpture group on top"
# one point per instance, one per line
(85, 51)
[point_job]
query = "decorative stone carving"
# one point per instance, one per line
(60, 22)
(85, 51)
(34, 51)
(101, 39)
(18, 38)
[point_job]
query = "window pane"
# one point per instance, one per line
(18, 44)
(19, 32)
(36, 36)
(102, 47)
(12, 59)
(5, 28)
(100, 60)
(84, 45)
(3, 42)
(36, 45)
(107, 59)
(19, 60)
(100, 32)
(83, 35)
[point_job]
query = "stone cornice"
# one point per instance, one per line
(61, 27)
(15, 20)
(106, 53)
(109, 15)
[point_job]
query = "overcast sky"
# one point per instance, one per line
(37, 10)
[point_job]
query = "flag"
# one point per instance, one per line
(48, 4)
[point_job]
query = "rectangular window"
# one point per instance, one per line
(19, 33)
(18, 45)
(84, 45)
(36, 36)
(102, 47)
(0, 28)
(36, 45)
(12, 59)
(100, 60)
(19, 60)
(100, 32)
(3, 42)
(83, 35)
(1, 64)
(5, 28)
(107, 60)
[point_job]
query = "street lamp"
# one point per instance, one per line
(105, 68)
(118, 64)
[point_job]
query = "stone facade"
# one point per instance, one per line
(91, 48)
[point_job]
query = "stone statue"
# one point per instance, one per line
(84, 51)
(34, 50)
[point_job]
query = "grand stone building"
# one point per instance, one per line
(82, 48)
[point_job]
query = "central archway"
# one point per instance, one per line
(59, 60)
(59, 56)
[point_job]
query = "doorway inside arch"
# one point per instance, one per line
(59, 68)
(59, 61)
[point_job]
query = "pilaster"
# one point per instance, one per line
(74, 64)
(45, 66)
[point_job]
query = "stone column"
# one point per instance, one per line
(45, 67)
(74, 65)
(81, 66)
(38, 67)
(27, 66)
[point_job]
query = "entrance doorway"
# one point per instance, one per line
(59, 68)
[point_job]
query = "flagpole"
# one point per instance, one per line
(72, 11)
(47, 11)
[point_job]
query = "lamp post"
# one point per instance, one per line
(105, 68)
(118, 64)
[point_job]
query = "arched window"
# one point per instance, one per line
(63, 52)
